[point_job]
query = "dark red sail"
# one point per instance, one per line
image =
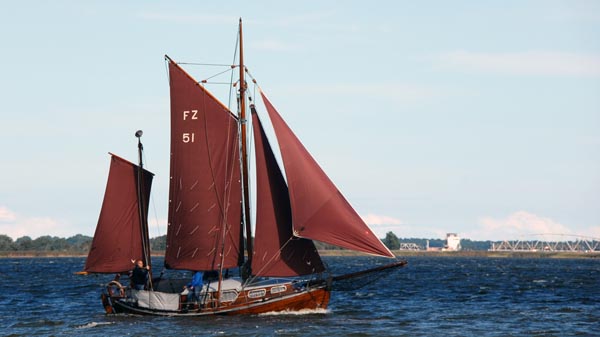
(118, 239)
(204, 191)
(277, 252)
(319, 211)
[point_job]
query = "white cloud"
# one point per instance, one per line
(593, 233)
(520, 225)
(374, 219)
(157, 227)
(381, 224)
(526, 63)
(6, 215)
(16, 225)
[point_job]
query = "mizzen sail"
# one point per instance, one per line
(204, 227)
(319, 211)
(118, 237)
(277, 252)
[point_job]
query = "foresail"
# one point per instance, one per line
(319, 211)
(277, 252)
(204, 228)
(118, 239)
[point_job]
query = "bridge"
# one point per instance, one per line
(550, 243)
(410, 246)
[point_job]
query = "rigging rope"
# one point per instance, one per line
(206, 64)
(252, 278)
(217, 74)
(235, 50)
(156, 223)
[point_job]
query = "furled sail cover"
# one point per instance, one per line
(204, 189)
(319, 211)
(118, 237)
(277, 252)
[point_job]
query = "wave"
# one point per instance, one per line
(93, 325)
(297, 312)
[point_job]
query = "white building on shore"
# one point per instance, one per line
(452, 242)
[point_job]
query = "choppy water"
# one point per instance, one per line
(432, 296)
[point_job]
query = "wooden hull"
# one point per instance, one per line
(291, 299)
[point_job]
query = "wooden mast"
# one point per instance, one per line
(243, 136)
(143, 213)
(244, 164)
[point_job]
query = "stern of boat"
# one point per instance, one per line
(113, 292)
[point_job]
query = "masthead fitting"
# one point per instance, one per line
(139, 133)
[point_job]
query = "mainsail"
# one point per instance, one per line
(204, 231)
(319, 211)
(118, 237)
(277, 252)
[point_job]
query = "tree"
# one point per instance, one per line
(391, 241)
(158, 243)
(24, 243)
(6, 242)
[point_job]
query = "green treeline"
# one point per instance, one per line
(80, 244)
(74, 244)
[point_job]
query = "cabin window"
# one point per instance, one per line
(257, 293)
(229, 296)
(278, 289)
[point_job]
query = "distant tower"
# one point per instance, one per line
(452, 242)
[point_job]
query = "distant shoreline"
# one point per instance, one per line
(398, 253)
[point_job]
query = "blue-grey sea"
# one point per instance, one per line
(432, 296)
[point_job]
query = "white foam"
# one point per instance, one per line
(296, 313)
(93, 325)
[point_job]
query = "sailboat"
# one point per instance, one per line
(276, 268)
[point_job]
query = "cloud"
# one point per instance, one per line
(520, 225)
(594, 232)
(6, 215)
(157, 227)
(381, 224)
(546, 63)
(373, 219)
(16, 225)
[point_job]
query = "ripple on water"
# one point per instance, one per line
(37, 323)
(432, 296)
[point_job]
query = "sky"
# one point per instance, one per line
(480, 118)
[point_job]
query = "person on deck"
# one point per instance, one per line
(139, 275)
(195, 286)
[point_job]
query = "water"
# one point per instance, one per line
(432, 296)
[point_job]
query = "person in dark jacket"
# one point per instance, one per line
(139, 275)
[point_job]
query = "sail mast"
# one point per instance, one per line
(243, 121)
(142, 211)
